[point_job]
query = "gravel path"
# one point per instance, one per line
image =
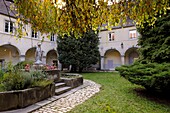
(67, 103)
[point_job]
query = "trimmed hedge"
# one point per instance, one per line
(152, 76)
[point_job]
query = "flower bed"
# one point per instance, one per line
(22, 98)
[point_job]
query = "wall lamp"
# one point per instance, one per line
(122, 45)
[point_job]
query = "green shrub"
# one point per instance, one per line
(27, 78)
(1, 73)
(152, 76)
(41, 83)
(38, 75)
(13, 81)
(16, 79)
(19, 80)
(2, 88)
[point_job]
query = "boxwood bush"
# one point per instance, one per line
(152, 76)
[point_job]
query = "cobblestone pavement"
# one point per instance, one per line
(67, 103)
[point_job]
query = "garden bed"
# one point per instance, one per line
(22, 98)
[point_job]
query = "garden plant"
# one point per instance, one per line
(16, 78)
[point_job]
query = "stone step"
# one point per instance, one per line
(59, 85)
(62, 90)
(59, 81)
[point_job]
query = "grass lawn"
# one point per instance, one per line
(117, 95)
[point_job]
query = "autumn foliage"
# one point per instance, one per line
(78, 16)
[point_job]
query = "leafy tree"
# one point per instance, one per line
(81, 52)
(65, 16)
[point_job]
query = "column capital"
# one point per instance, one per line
(101, 56)
(122, 55)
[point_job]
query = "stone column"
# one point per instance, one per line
(102, 62)
(59, 65)
(22, 58)
(123, 59)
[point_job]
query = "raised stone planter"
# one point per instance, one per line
(53, 74)
(72, 80)
(22, 98)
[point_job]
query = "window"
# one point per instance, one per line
(34, 34)
(52, 37)
(111, 36)
(132, 34)
(9, 26)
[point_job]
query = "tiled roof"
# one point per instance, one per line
(5, 8)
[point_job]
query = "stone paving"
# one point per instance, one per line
(67, 103)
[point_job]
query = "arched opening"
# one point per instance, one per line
(30, 54)
(51, 58)
(112, 59)
(9, 53)
(131, 55)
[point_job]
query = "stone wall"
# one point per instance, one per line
(73, 82)
(53, 74)
(22, 98)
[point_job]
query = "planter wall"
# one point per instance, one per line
(54, 74)
(73, 82)
(22, 98)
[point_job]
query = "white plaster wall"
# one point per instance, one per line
(26, 42)
(9, 55)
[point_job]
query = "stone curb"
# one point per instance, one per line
(40, 104)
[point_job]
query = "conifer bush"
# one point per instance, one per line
(152, 76)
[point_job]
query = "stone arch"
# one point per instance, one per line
(131, 55)
(51, 57)
(30, 54)
(112, 59)
(9, 53)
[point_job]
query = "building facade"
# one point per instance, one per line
(13, 49)
(118, 47)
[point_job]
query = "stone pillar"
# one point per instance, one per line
(22, 58)
(102, 62)
(123, 59)
(59, 65)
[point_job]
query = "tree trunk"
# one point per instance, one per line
(80, 70)
(73, 68)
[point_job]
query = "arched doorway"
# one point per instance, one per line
(112, 59)
(131, 55)
(51, 58)
(9, 53)
(30, 54)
